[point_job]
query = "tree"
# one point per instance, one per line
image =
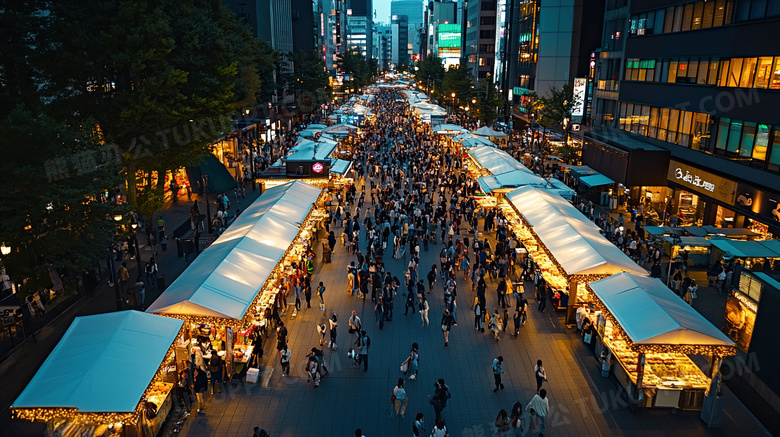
(353, 62)
(458, 80)
(430, 72)
(554, 110)
(55, 211)
(489, 99)
(160, 77)
(308, 81)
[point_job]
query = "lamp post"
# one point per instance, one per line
(453, 103)
(5, 250)
(138, 263)
(205, 178)
(117, 294)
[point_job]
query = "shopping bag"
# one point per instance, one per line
(252, 374)
(405, 366)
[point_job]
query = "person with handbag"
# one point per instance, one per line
(410, 365)
(284, 360)
(399, 399)
(540, 373)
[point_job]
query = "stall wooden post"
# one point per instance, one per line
(571, 309)
(640, 373)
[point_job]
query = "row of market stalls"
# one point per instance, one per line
(115, 373)
(636, 319)
(497, 173)
(316, 154)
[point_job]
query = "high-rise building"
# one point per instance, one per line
(401, 48)
(684, 78)
(360, 27)
(305, 25)
(413, 10)
(439, 12)
(479, 45)
(383, 41)
(270, 20)
(334, 32)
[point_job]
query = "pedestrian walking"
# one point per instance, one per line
(538, 407)
(424, 307)
(540, 373)
(411, 362)
(440, 430)
(355, 326)
(418, 427)
(334, 323)
(446, 324)
(440, 396)
(399, 398)
(284, 360)
(321, 294)
(201, 385)
(363, 344)
(494, 323)
(516, 419)
(498, 370)
(503, 427)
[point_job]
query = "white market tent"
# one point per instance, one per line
(651, 314)
(341, 129)
(496, 161)
(310, 150)
(571, 239)
(103, 364)
(225, 279)
(485, 131)
(448, 129)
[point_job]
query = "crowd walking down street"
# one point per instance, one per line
(407, 230)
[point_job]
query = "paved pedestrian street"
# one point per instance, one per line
(582, 403)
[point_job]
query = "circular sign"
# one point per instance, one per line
(317, 167)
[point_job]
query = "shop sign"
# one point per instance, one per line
(760, 202)
(702, 182)
(317, 167)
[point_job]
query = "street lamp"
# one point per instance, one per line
(5, 250)
(118, 217)
(453, 102)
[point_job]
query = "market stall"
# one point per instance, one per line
(228, 295)
(110, 374)
(697, 248)
(567, 247)
(495, 136)
(751, 253)
(650, 332)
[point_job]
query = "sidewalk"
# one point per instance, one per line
(20, 367)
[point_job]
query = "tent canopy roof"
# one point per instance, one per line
(651, 314)
(448, 128)
(103, 363)
(596, 180)
(573, 240)
(497, 161)
(224, 280)
(485, 131)
(745, 249)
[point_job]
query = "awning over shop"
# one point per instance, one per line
(745, 249)
(572, 240)
(563, 190)
(651, 314)
(773, 245)
(596, 180)
(696, 231)
(103, 364)
(340, 166)
(219, 178)
(224, 280)
(309, 150)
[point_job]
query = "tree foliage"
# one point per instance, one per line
(308, 81)
(488, 101)
(458, 80)
(430, 73)
(363, 70)
(554, 110)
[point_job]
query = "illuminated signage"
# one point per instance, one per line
(317, 167)
(580, 86)
(449, 35)
(702, 182)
